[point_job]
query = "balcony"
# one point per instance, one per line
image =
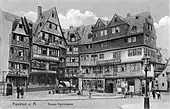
(14, 57)
(20, 43)
(45, 57)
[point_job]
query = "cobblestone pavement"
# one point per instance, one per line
(72, 101)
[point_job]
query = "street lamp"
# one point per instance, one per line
(146, 61)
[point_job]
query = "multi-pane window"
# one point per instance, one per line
(116, 55)
(100, 83)
(20, 52)
(113, 30)
(101, 33)
(117, 29)
(75, 48)
(84, 57)
(72, 59)
(135, 52)
(54, 52)
(38, 50)
(115, 68)
(105, 32)
(106, 69)
(101, 56)
(103, 44)
(139, 51)
(133, 39)
(129, 40)
(44, 51)
(17, 38)
(94, 57)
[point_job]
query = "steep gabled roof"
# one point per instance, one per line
(84, 32)
(120, 20)
(137, 20)
(71, 30)
(44, 18)
(100, 24)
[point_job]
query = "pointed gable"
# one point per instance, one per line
(138, 21)
(20, 29)
(49, 22)
(116, 20)
(100, 24)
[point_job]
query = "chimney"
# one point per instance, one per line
(128, 14)
(39, 13)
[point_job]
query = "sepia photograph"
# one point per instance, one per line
(84, 54)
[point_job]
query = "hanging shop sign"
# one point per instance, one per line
(111, 61)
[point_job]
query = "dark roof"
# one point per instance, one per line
(84, 31)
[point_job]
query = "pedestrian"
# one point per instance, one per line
(89, 93)
(158, 95)
(153, 94)
(18, 92)
(22, 92)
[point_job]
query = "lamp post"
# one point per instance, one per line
(146, 61)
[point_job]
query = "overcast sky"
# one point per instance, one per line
(79, 12)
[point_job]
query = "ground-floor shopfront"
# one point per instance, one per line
(73, 81)
(17, 78)
(115, 85)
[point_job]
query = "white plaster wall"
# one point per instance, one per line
(161, 80)
(5, 30)
(149, 73)
(124, 55)
(126, 58)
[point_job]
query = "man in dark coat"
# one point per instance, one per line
(153, 93)
(18, 92)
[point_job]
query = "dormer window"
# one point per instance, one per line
(115, 19)
(72, 38)
(20, 25)
(53, 15)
